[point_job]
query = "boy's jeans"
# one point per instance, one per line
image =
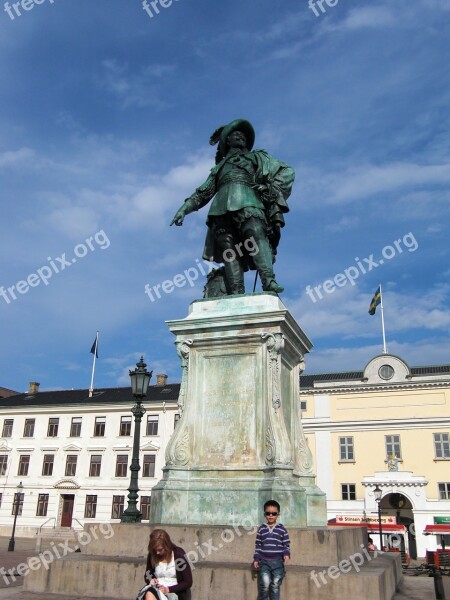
(271, 574)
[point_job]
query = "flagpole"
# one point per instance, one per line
(382, 322)
(91, 389)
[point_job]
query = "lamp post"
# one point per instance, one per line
(16, 504)
(140, 378)
(378, 493)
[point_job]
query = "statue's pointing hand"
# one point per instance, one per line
(179, 216)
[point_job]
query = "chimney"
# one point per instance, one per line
(161, 380)
(34, 387)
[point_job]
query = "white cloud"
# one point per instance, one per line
(16, 157)
(141, 89)
(344, 224)
(344, 312)
(363, 181)
(368, 17)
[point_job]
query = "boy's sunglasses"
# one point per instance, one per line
(271, 514)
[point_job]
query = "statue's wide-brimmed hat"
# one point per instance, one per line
(221, 134)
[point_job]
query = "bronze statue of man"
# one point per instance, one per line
(250, 189)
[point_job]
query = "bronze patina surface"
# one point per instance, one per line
(249, 189)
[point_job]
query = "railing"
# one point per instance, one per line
(79, 523)
(39, 533)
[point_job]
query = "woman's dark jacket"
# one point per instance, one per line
(183, 571)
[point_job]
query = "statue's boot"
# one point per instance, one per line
(234, 273)
(254, 228)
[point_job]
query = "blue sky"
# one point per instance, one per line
(105, 119)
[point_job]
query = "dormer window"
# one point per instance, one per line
(386, 372)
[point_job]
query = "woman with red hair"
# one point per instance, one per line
(168, 574)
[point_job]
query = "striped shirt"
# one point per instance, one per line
(272, 543)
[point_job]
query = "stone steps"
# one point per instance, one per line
(56, 534)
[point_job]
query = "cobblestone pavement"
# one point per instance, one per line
(413, 588)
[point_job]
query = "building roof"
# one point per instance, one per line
(6, 393)
(155, 394)
(308, 381)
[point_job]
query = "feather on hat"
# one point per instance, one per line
(221, 134)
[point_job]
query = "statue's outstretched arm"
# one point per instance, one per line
(199, 198)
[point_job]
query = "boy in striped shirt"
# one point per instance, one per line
(272, 553)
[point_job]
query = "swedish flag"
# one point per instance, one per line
(376, 300)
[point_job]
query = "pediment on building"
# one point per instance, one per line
(67, 484)
(72, 448)
(123, 448)
(4, 446)
(150, 446)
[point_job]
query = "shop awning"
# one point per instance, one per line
(372, 527)
(437, 530)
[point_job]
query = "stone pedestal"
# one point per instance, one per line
(239, 441)
(326, 564)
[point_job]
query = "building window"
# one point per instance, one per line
(176, 418)
(7, 428)
(99, 427)
(303, 404)
(348, 491)
(152, 425)
(441, 445)
(386, 372)
(125, 426)
(47, 465)
(24, 463)
(444, 491)
(117, 507)
(71, 465)
(75, 427)
(346, 452)
(90, 508)
(95, 466)
(3, 464)
(28, 430)
(53, 424)
(145, 507)
(149, 465)
(393, 446)
(42, 505)
(17, 503)
(121, 465)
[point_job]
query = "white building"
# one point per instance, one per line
(72, 453)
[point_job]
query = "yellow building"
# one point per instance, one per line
(386, 426)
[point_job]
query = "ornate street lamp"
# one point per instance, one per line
(378, 492)
(16, 504)
(140, 378)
